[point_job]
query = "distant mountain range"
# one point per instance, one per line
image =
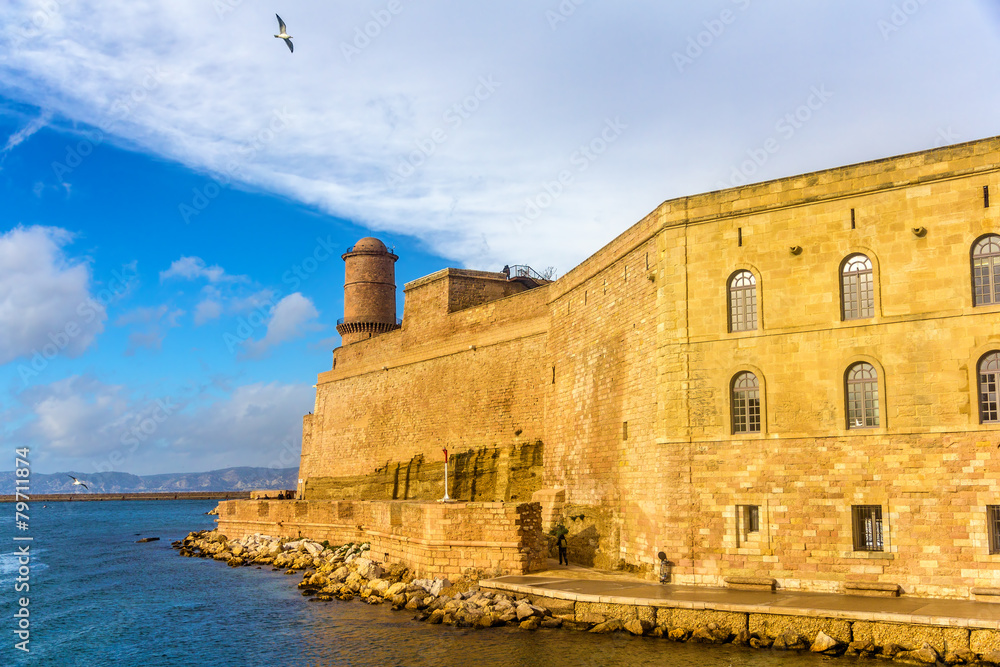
(228, 479)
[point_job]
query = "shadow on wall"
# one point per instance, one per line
(594, 538)
(488, 474)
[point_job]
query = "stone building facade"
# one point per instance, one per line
(793, 380)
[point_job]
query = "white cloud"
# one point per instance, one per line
(45, 301)
(75, 417)
(154, 320)
(207, 310)
(290, 319)
(22, 135)
(256, 425)
(485, 128)
(193, 268)
(261, 299)
(87, 425)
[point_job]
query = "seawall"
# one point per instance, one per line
(882, 625)
(431, 538)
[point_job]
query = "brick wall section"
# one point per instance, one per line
(433, 539)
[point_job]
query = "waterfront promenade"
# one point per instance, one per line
(583, 594)
(586, 584)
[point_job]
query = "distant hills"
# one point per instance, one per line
(227, 479)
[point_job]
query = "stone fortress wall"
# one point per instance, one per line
(621, 372)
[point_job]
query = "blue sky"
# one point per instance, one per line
(173, 178)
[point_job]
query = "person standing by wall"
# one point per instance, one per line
(562, 545)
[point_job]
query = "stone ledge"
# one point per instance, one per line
(981, 594)
(751, 583)
(872, 590)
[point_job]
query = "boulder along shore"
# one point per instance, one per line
(344, 572)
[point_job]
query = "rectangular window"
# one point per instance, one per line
(624, 430)
(751, 518)
(993, 523)
(748, 524)
(867, 524)
(859, 299)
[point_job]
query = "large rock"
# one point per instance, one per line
(415, 603)
(432, 586)
(824, 643)
(393, 590)
(488, 620)
(678, 635)
(313, 548)
(368, 568)
(638, 627)
(379, 586)
(861, 648)
(614, 625)
(890, 650)
(960, 656)
(525, 610)
(925, 655)
(711, 634)
(789, 641)
(991, 658)
(530, 623)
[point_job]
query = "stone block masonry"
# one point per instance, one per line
(626, 369)
(432, 539)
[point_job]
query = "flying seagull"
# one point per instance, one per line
(284, 34)
(77, 482)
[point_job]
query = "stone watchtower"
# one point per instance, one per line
(369, 291)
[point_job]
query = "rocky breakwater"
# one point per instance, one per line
(345, 572)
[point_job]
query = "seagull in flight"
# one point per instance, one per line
(77, 482)
(284, 34)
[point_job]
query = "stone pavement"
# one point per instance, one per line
(587, 585)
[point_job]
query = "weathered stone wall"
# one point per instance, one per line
(464, 381)
(433, 539)
(497, 474)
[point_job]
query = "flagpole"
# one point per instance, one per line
(446, 498)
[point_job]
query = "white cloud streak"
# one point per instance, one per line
(22, 135)
(331, 124)
(194, 268)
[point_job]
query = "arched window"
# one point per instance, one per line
(745, 399)
(862, 396)
(986, 271)
(857, 294)
(742, 301)
(989, 379)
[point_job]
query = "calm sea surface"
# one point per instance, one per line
(98, 598)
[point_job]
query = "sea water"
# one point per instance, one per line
(97, 597)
